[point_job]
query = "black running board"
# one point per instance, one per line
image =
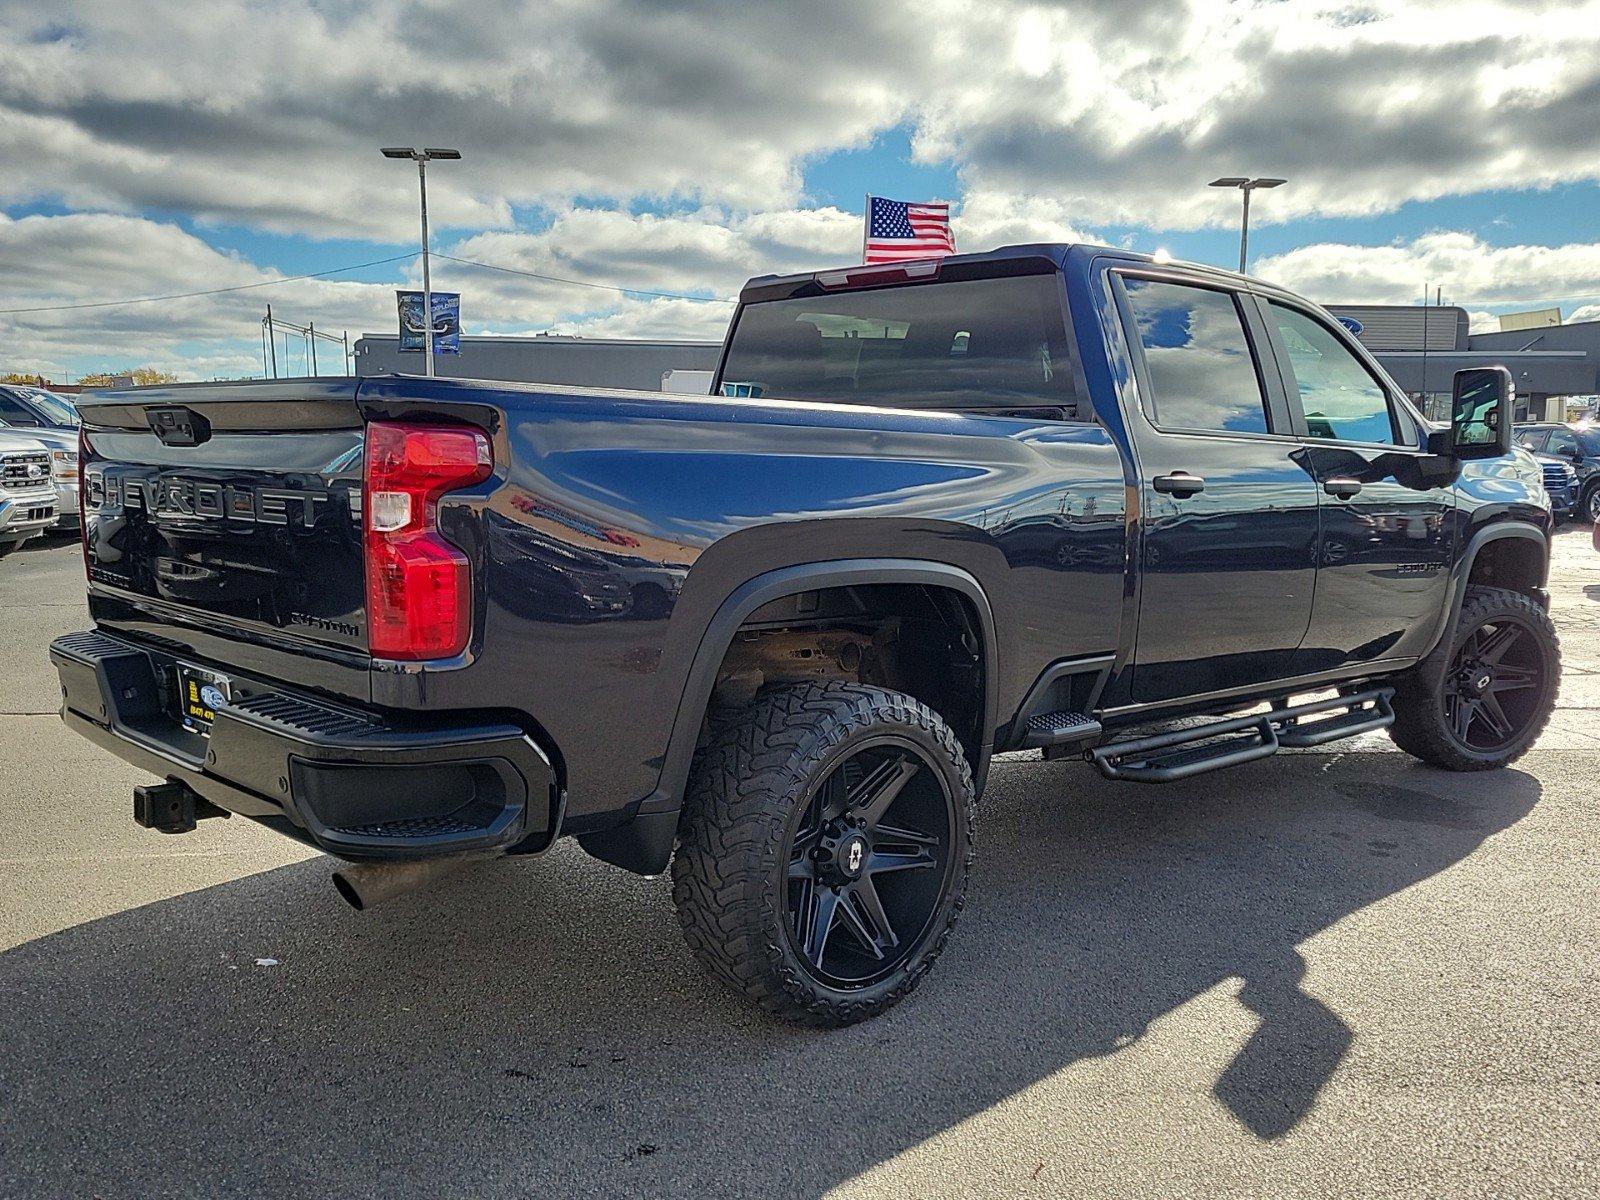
(1168, 757)
(1059, 729)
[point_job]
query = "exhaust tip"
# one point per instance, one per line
(365, 884)
(349, 891)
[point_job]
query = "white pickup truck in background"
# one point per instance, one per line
(27, 495)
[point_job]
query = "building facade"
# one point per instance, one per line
(1423, 348)
(547, 358)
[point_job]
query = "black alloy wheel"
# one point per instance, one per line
(1483, 695)
(824, 849)
(867, 861)
(1591, 503)
(1494, 685)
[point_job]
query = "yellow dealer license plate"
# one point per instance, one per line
(200, 694)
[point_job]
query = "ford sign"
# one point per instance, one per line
(1353, 325)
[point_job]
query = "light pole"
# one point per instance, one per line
(1246, 186)
(422, 158)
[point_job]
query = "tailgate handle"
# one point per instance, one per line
(178, 426)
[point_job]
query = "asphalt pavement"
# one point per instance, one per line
(1323, 974)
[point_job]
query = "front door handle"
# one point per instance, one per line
(1179, 483)
(1342, 488)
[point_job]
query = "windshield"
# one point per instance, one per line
(25, 406)
(974, 343)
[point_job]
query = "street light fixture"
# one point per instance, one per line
(422, 158)
(1246, 186)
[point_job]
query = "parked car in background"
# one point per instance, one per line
(53, 420)
(1578, 445)
(1561, 482)
(27, 500)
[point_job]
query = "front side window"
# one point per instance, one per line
(1201, 372)
(956, 344)
(1339, 397)
(13, 412)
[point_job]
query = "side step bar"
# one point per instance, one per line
(1167, 757)
(1059, 728)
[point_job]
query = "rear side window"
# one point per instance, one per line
(1339, 397)
(1201, 372)
(971, 343)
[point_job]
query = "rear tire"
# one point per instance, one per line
(1484, 695)
(826, 842)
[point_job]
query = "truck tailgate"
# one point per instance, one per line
(229, 509)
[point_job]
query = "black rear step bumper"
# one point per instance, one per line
(343, 780)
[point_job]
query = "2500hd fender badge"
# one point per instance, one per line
(174, 497)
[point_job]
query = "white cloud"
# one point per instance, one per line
(270, 114)
(1470, 271)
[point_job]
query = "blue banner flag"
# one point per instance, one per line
(446, 322)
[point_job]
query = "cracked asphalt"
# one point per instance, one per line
(1324, 974)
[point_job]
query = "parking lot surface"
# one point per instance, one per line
(1323, 974)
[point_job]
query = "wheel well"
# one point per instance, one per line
(918, 639)
(1516, 563)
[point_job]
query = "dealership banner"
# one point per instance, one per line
(446, 322)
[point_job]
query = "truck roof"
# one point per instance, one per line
(773, 287)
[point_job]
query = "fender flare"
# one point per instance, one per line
(645, 844)
(1462, 571)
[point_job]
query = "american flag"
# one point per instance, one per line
(898, 230)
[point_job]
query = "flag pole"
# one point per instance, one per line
(866, 225)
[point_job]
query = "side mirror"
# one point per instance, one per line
(1482, 408)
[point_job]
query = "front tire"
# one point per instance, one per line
(824, 852)
(1589, 504)
(1484, 695)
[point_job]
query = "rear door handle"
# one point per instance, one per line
(1342, 488)
(1179, 483)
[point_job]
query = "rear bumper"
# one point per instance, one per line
(341, 779)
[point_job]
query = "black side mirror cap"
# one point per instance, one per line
(1441, 442)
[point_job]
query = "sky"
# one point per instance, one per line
(150, 147)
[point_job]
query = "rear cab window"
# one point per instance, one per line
(1201, 373)
(966, 344)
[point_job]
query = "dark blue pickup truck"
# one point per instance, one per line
(1159, 517)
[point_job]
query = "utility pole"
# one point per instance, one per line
(272, 341)
(422, 158)
(1246, 186)
(311, 339)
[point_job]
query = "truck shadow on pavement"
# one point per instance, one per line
(540, 1029)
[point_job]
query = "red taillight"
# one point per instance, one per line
(419, 586)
